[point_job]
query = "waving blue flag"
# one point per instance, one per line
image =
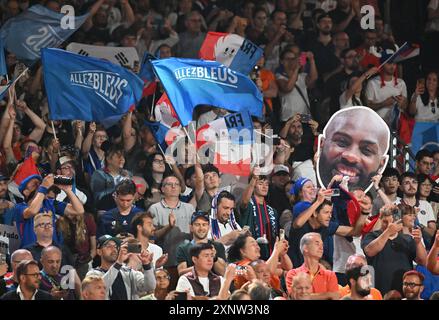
(87, 88)
(191, 82)
(36, 28)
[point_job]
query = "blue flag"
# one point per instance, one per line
(146, 72)
(159, 131)
(191, 82)
(3, 68)
(87, 88)
(36, 28)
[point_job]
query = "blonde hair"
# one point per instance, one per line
(89, 280)
(41, 215)
(80, 228)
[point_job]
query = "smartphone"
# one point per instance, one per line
(396, 214)
(281, 234)
(304, 118)
(421, 82)
(134, 248)
(335, 192)
(302, 59)
(276, 141)
(180, 296)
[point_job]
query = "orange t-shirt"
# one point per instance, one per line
(241, 280)
(375, 294)
(266, 77)
(323, 281)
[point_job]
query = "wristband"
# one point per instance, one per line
(147, 267)
(42, 190)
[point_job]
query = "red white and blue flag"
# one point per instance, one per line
(406, 51)
(230, 139)
(231, 50)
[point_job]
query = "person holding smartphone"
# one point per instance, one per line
(391, 252)
(424, 102)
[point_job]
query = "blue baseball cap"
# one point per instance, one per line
(25, 181)
(298, 185)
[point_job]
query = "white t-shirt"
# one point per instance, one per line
(425, 214)
(423, 112)
(224, 229)
(184, 284)
(156, 250)
(292, 102)
(81, 196)
(347, 103)
(377, 94)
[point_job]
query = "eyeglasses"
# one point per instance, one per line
(433, 107)
(35, 275)
(411, 284)
(44, 225)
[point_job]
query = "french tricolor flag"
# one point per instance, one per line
(231, 139)
(406, 51)
(231, 50)
(165, 114)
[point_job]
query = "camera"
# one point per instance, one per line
(63, 181)
(305, 118)
(134, 248)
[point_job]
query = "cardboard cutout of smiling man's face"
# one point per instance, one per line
(354, 143)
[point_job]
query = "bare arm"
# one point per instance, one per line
(343, 25)
(86, 145)
(312, 76)
(128, 139)
(377, 245)
(127, 12)
(305, 215)
(75, 206)
(286, 128)
(248, 192)
(199, 181)
(286, 86)
(432, 262)
(88, 24)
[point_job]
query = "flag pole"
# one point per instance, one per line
(21, 74)
(153, 100)
(54, 134)
(388, 59)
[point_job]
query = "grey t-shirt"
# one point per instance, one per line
(183, 213)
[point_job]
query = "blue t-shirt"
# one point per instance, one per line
(25, 227)
(299, 207)
(113, 223)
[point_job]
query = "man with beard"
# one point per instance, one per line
(143, 229)
(387, 92)
(338, 83)
(392, 253)
(119, 269)
(360, 281)
(323, 47)
(425, 218)
(300, 135)
(276, 194)
(223, 225)
(34, 189)
(412, 285)
(7, 202)
(353, 144)
(199, 228)
(29, 278)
